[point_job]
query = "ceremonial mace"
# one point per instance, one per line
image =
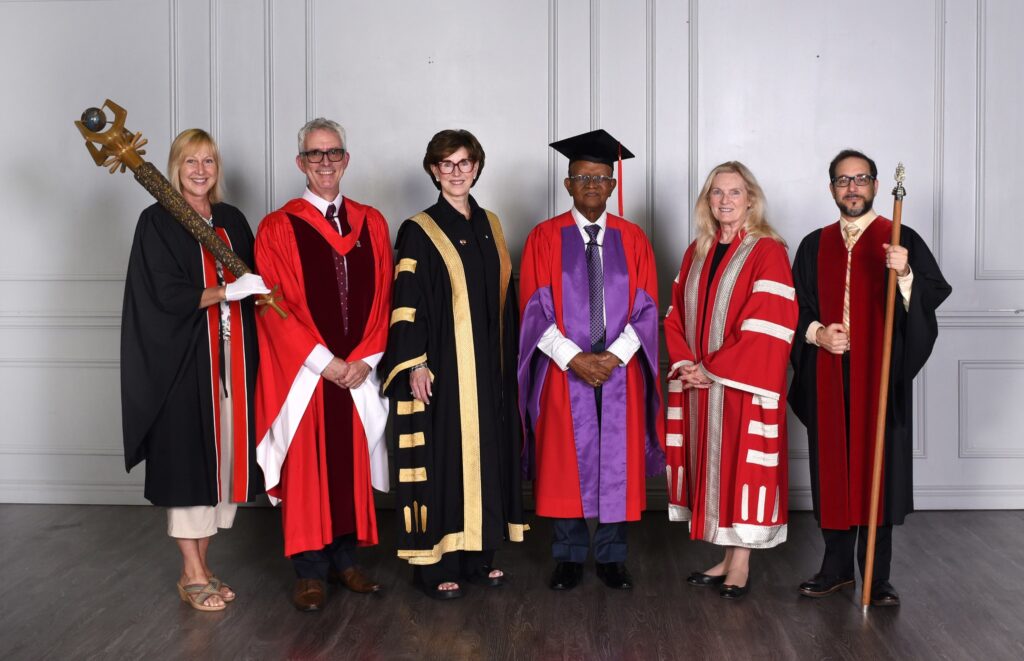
(119, 147)
(883, 392)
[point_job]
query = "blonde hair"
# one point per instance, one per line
(187, 142)
(756, 223)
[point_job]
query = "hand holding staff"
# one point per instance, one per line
(883, 392)
(118, 147)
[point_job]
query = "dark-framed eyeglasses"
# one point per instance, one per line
(317, 155)
(587, 179)
(447, 167)
(843, 181)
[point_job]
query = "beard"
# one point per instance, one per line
(847, 210)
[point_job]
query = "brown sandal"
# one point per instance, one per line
(197, 594)
(220, 586)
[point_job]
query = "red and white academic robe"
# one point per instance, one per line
(585, 465)
(726, 445)
(290, 410)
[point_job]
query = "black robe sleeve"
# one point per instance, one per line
(803, 355)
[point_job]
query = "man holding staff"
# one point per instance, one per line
(840, 276)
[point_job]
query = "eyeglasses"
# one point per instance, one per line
(587, 179)
(447, 167)
(860, 179)
(317, 155)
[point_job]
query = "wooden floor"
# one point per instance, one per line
(92, 582)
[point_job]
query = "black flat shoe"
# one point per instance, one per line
(734, 591)
(884, 594)
(566, 576)
(702, 580)
(615, 575)
(822, 585)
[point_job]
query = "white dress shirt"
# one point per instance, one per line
(905, 282)
(560, 348)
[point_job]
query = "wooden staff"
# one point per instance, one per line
(883, 393)
(117, 147)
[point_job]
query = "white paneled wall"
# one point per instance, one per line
(780, 85)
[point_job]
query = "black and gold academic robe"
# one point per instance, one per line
(458, 457)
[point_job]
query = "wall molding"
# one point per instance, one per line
(62, 277)
(268, 101)
(60, 320)
(91, 451)
(966, 450)
(650, 72)
(173, 65)
(60, 363)
(310, 60)
(1005, 318)
(595, 64)
(552, 102)
(693, 87)
(981, 271)
(939, 147)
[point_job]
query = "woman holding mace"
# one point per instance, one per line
(188, 367)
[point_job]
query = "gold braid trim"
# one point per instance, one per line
(504, 277)
(405, 364)
(465, 357)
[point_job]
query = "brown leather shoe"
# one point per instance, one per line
(355, 579)
(309, 594)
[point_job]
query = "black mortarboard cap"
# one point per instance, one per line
(594, 146)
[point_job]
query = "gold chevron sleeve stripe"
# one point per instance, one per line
(465, 357)
(423, 518)
(403, 314)
(405, 265)
(412, 474)
(410, 406)
(416, 515)
(406, 441)
(408, 519)
(405, 364)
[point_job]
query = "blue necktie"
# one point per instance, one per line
(595, 278)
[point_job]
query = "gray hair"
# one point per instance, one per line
(321, 123)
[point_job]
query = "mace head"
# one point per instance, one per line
(901, 175)
(94, 119)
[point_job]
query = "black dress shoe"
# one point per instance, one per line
(702, 580)
(734, 591)
(615, 575)
(884, 594)
(566, 576)
(822, 585)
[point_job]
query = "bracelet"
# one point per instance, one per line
(417, 367)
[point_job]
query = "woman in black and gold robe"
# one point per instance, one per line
(449, 370)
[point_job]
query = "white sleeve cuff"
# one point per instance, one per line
(558, 347)
(625, 345)
(906, 283)
(319, 358)
(812, 332)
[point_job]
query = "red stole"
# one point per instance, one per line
(238, 395)
(844, 463)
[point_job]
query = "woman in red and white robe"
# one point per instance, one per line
(728, 332)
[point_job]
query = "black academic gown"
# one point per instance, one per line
(167, 380)
(458, 458)
(914, 334)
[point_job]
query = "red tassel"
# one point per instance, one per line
(620, 181)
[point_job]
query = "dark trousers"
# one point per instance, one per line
(841, 544)
(572, 541)
(339, 555)
(453, 566)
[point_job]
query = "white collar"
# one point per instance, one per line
(320, 203)
(582, 222)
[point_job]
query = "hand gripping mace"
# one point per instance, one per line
(898, 194)
(118, 147)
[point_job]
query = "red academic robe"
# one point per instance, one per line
(727, 469)
(289, 402)
(584, 467)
